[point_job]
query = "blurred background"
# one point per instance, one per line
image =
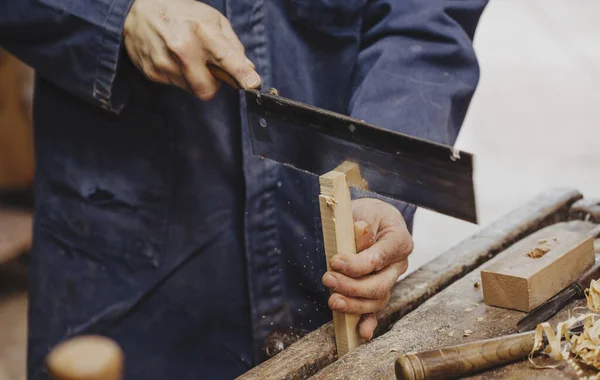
(534, 123)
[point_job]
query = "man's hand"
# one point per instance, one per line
(172, 41)
(361, 283)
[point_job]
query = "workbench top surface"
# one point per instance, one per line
(441, 322)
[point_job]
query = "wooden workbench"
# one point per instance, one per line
(431, 302)
(440, 322)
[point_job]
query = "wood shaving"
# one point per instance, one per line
(555, 239)
(537, 252)
(592, 294)
(542, 241)
(477, 284)
(467, 333)
(451, 333)
(480, 319)
(584, 347)
(442, 330)
(468, 310)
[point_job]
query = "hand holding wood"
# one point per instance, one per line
(361, 284)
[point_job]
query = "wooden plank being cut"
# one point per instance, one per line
(456, 315)
(537, 268)
(338, 237)
(317, 350)
(15, 234)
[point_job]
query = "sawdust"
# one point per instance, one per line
(477, 284)
(542, 241)
(585, 347)
(451, 333)
(331, 202)
(538, 252)
(467, 333)
(469, 309)
(480, 319)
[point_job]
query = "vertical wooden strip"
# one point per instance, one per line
(338, 237)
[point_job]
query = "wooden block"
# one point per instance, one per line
(338, 237)
(536, 268)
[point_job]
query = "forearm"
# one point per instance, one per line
(417, 70)
(77, 45)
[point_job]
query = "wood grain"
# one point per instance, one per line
(522, 281)
(439, 322)
(338, 237)
(465, 359)
(317, 350)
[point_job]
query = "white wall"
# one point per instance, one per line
(534, 122)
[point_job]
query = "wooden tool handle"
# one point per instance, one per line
(86, 358)
(463, 360)
(224, 76)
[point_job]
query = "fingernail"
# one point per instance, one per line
(339, 305)
(338, 265)
(330, 281)
(252, 80)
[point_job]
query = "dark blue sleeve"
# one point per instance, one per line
(417, 70)
(75, 44)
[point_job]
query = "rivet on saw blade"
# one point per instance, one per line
(263, 122)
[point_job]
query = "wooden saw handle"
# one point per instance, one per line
(465, 359)
(88, 357)
(224, 76)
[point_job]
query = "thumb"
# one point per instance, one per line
(364, 236)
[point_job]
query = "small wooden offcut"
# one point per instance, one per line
(535, 269)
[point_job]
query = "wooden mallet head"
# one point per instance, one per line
(88, 357)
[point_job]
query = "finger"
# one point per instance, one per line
(392, 246)
(192, 70)
(230, 35)
(374, 286)
(201, 82)
(367, 326)
(350, 305)
(168, 69)
(364, 235)
(220, 53)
